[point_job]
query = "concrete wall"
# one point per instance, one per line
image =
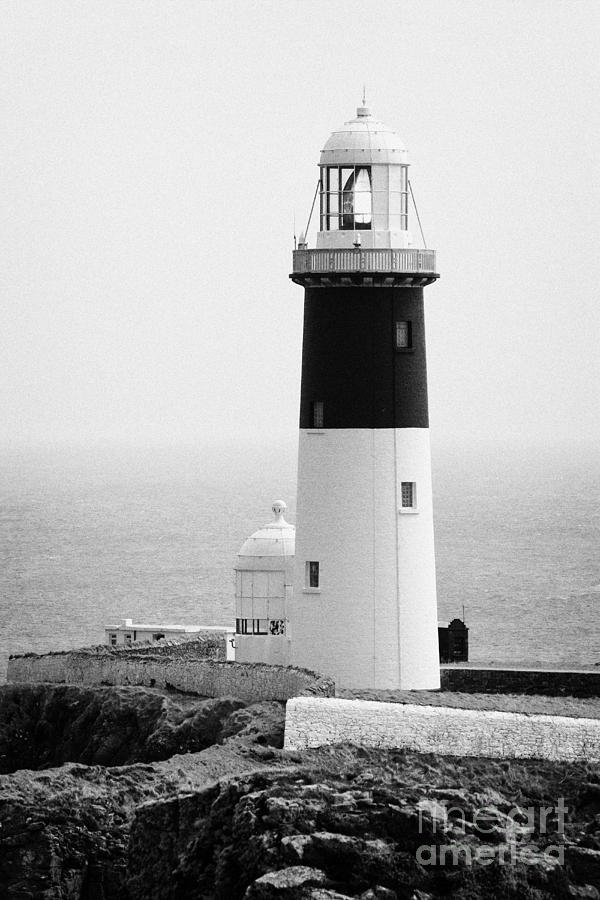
(203, 677)
(313, 722)
(525, 681)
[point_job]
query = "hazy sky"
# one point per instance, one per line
(154, 155)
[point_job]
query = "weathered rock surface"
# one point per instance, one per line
(373, 826)
(64, 832)
(244, 820)
(44, 725)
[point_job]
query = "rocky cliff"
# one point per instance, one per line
(242, 818)
(349, 823)
(64, 830)
(44, 725)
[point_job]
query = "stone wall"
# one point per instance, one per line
(525, 681)
(175, 666)
(204, 645)
(314, 722)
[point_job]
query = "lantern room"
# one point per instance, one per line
(364, 187)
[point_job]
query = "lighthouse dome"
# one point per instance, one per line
(275, 539)
(363, 139)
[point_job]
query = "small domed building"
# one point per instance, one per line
(263, 592)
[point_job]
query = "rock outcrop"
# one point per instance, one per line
(242, 819)
(369, 825)
(64, 832)
(44, 725)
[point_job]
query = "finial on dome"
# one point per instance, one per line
(279, 507)
(364, 109)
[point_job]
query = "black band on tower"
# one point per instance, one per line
(363, 358)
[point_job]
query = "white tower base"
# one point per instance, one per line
(379, 612)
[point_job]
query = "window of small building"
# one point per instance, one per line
(346, 198)
(408, 495)
(312, 575)
(112, 639)
(318, 413)
(158, 636)
(403, 335)
(128, 639)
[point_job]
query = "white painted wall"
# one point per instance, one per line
(374, 621)
(314, 722)
(264, 591)
(264, 648)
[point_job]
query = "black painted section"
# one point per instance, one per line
(350, 362)
(453, 641)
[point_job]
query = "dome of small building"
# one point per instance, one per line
(363, 139)
(276, 538)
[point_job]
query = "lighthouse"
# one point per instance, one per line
(364, 605)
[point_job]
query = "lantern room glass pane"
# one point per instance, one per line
(362, 210)
(395, 178)
(346, 198)
(395, 204)
(362, 197)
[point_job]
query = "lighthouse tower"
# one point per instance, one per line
(364, 608)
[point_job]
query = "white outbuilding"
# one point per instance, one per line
(263, 592)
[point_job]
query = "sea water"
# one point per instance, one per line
(90, 535)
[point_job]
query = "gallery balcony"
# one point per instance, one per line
(360, 267)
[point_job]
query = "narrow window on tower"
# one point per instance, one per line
(317, 414)
(408, 496)
(312, 574)
(403, 335)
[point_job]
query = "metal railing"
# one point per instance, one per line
(406, 260)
